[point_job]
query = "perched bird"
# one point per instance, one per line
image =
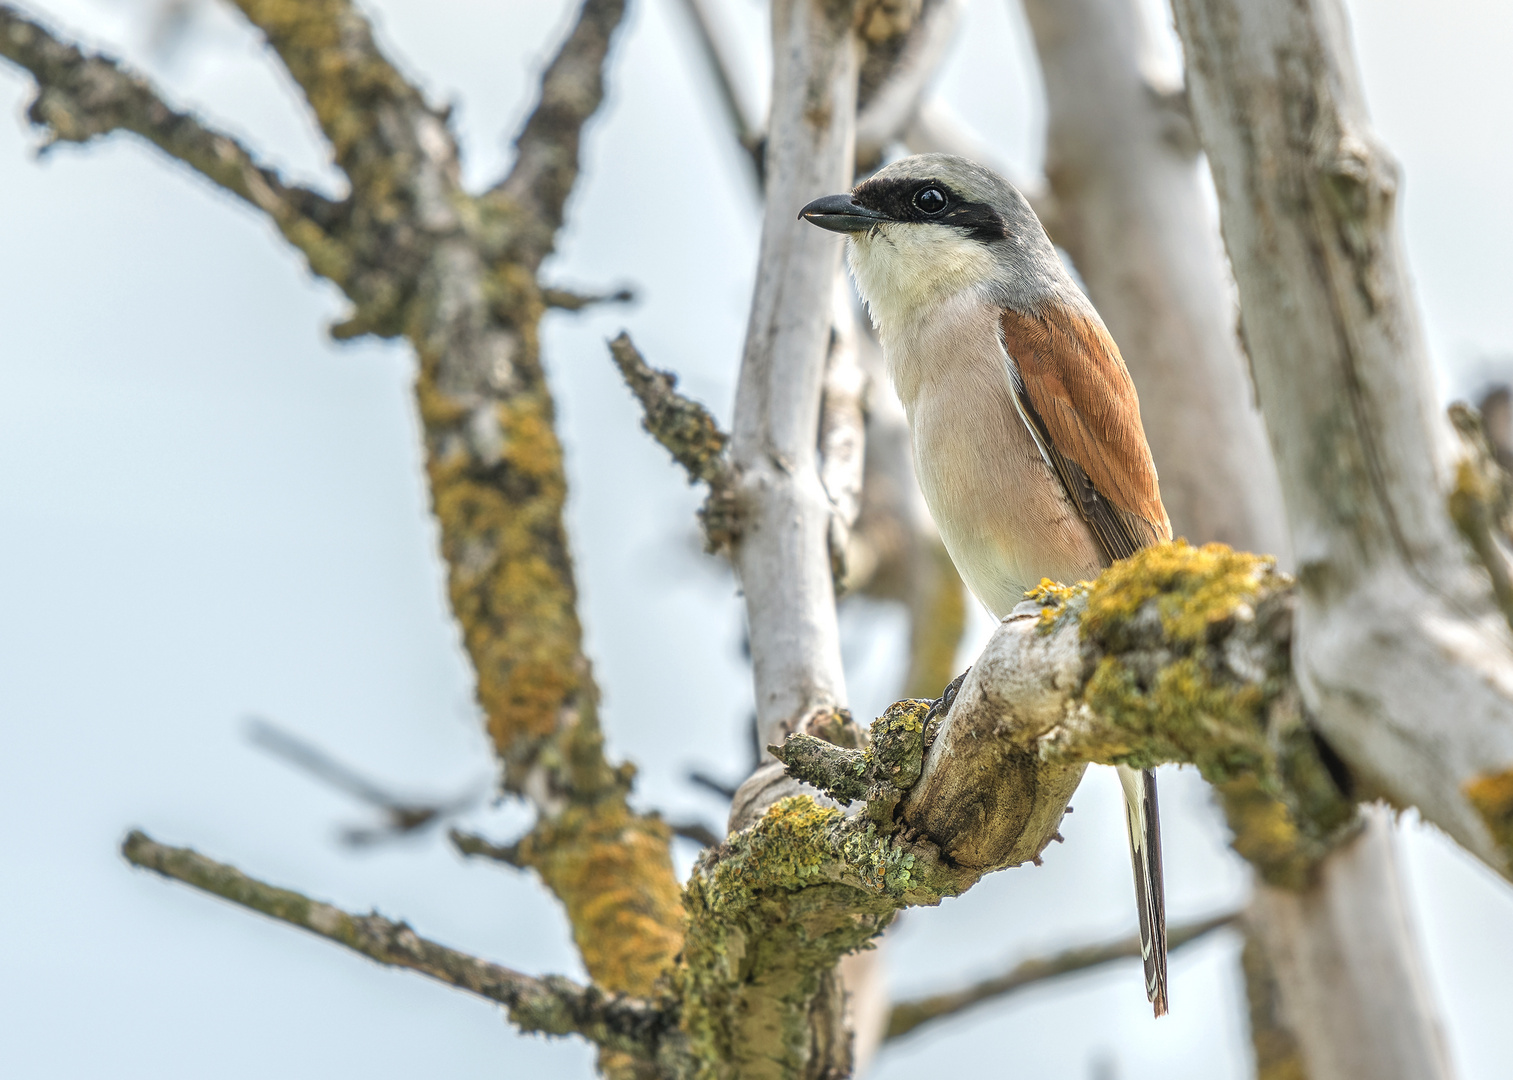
(1026, 429)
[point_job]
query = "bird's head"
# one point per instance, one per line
(932, 226)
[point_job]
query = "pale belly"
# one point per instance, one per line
(1001, 511)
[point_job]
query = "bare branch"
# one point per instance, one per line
(546, 150)
(85, 97)
(907, 1016)
(1405, 666)
(568, 300)
(404, 816)
(715, 47)
(690, 433)
(553, 1005)
(476, 846)
(696, 831)
(327, 46)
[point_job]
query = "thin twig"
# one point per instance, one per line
(552, 1005)
(909, 1015)
(696, 831)
(83, 97)
(689, 432)
(475, 846)
(723, 788)
(745, 125)
(568, 300)
(404, 816)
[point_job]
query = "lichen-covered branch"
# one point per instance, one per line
(455, 275)
(551, 1005)
(83, 97)
(907, 1016)
(1404, 662)
(690, 433)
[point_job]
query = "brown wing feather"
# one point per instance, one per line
(1079, 396)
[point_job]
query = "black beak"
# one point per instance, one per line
(839, 213)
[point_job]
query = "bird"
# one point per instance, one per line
(1024, 421)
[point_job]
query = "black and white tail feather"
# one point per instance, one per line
(1143, 817)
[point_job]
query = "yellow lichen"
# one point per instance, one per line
(612, 871)
(1492, 796)
(1193, 588)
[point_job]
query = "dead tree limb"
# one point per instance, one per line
(81, 98)
(1404, 662)
(455, 274)
(552, 1005)
(909, 1016)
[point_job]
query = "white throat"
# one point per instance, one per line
(905, 270)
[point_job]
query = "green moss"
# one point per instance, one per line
(770, 914)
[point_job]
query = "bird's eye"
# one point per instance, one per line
(929, 200)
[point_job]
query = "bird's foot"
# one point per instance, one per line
(942, 705)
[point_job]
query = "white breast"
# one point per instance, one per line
(1001, 511)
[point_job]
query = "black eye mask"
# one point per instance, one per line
(902, 199)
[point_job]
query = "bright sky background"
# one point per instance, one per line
(207, 510)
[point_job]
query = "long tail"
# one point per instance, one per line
(1144, 821)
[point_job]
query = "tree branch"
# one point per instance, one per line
(907, 1016)
(551, 1005)
(896, 72)
(546, 150)
(85, 97)
(690, 433)
(715, 48)
(568, 300)
(1405, 665)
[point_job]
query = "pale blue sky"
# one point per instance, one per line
(208, 510)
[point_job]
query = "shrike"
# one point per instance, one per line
(1026, 429)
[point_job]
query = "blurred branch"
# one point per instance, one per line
(454, 274)
(690, 433)
(473, 845)
(722, 788)
(85, 97)
(1496, 408)
(568, 300)
(405, 816)
(715, 48)
(843, 426)
(553, 1005)
(909, 1015)
(546, 150)
(903, 55)
(696, 831)
(1481, 502)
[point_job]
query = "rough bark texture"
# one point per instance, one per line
(1402, 661)
(1123, 164)
(782, 557)
(455, 274)
(1395, 652)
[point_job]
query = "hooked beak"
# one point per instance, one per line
(839, 213)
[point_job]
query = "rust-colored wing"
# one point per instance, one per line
(1080, 402)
